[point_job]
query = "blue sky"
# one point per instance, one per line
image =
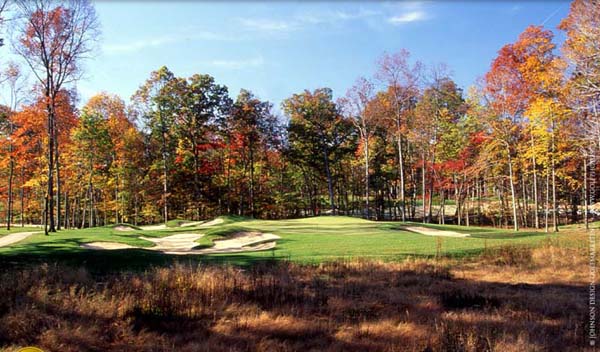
(276, 49)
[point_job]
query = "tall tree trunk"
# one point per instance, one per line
(165, 190)
(512, 191)
(554, 207)
(135, 209)
(165, 170)
(91, 195)
(58, 186)
(442, 204)
(196, 181)
(585, 194)
(535, 188)
(329, 180)
(525, 207)
(11, 168)
(117, 203)
(366, 145)
(467, 203)
(104, 213)
(479, 188)
(228, 178)
(430, 202)
(22, 195)
(49, 213)
(252, 179)
(66, 211)
(401, 171)
(424, 190)
(547, 198)
(413, 198)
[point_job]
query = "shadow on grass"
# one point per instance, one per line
(68, 252)
(301, 308)
(507, 236)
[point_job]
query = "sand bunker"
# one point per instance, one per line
(154, 227)
(205, 224)
(106, 245)
(15, 237)
(433, 232)
(123, 228)
(185, 243)
(181, 242)
(185, 224)
(241, 240)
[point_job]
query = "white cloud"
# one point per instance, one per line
(236, 64)
(335, 16)
(266, 24)
(412, 16)
(305, 19)
(137, 45)
(141, 44)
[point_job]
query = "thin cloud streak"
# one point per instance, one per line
(141, 44)
(268, 25)
(303, 20)
(408, 17)
(236, 64)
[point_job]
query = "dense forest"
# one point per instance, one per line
(516, 149)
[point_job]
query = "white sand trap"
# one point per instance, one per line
(244, 239)
(433, 232)
(191, 223)
(206, 224)
(106, 245)
(154, 227)
(239, 242)
(123, 228)
(185, 244)
(212, 250)
(15, 237)
(181, 242)
(185, 224)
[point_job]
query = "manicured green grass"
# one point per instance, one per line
(176, 222)
(18, 228)
(309, 240)
(124, 224)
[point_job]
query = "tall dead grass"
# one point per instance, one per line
(508, 300)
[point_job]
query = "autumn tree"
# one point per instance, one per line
(257, 130)
(155, 107)
(199, 103)
(14, 81)
(438, 132)
(126, 149)
(314, 131)
(356, 108)
(401, 79)
(30, 154)
(582, 51)
(92, 147)
(53, 39)
(507, 100)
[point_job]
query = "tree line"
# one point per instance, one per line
(516, 149)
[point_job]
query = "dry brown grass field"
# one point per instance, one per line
(507, 299)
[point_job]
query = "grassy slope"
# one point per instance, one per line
(309, 240)
(17, 229)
